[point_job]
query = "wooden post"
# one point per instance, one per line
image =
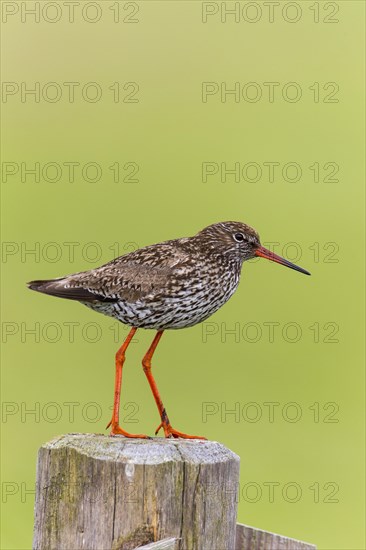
(250, 538)
(96, 492)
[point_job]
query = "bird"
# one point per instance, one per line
(174, 284)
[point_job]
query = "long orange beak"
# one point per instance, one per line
(264, 253)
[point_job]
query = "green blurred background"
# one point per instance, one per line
(310, 451)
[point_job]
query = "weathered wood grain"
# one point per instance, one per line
(96, 492)
(250, 538)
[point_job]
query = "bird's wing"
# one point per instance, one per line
(133, 276)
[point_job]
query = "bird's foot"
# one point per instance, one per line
(171, 432)
(117, 430)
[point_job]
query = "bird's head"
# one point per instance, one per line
(239, 242)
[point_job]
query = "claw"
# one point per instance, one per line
(172, 433)
(117, 430)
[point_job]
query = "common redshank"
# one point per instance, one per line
(169, 285)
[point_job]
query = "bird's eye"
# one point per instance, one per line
(239, 237)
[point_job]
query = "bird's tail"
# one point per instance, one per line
(48, 286)
(62, 289)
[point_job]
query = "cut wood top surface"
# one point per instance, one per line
(143, 451)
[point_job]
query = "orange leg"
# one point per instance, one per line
(120, 359)
(165, 424)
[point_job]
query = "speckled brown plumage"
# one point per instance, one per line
(169, 285)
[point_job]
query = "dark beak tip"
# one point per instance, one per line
(268, 255)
